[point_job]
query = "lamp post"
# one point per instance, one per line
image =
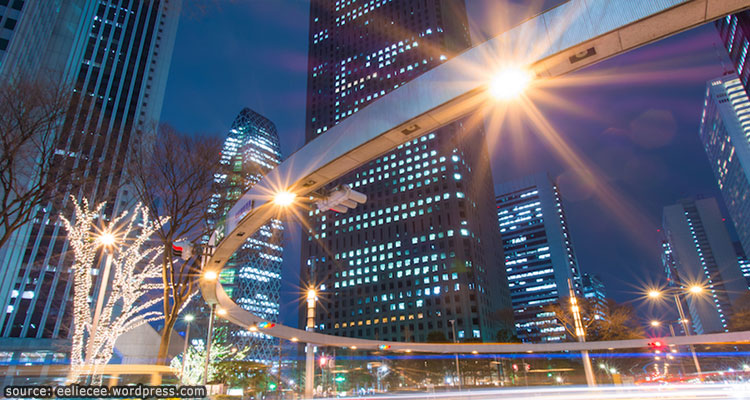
(188, 318)
(455, 340)
(581, 335)
(209, 276)
(310, 356)
(675, 292)
(107, 240)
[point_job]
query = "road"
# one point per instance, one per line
(670, 392)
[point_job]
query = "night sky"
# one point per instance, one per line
(637, 127)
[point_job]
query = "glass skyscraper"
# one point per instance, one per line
(115, 54)
(539, 255)
(735, 34)
(596, 293)
(253, 276)
(743, 262)
(420, 252)
(725, 134)
(698, 250)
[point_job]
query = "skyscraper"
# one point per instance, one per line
(699, 250)
(115, 55)
(724, 132)
(743, 262)
(253, 276)
(421, 251)
(735, 34)
(539, 255)
(596, 293)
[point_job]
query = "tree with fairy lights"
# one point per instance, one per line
(136, 274)
(195, 358)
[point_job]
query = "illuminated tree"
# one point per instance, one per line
(136, 273)
(195, 358)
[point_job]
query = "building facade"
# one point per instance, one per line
(252, 276)
(539, 255)
(743, 262)
(596, 293)
(724, 132)
(698, 250)
(420, 252)
(115, 55)
(735, 35)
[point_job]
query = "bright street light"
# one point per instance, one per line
(311, 294)
(655, 323)
(189, 318)
(695, 289)
(284, 198)
(509, 83)
(654, 294)
(221, 312)
(107, 239)
(210, 275)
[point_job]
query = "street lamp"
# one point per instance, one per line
(509, 83)
(107, 240)
(188, 318)
(209, 338)
(284, 198)
(655, 323)
(312, 295)
(693, 289)
(210, 275)
(581, 335)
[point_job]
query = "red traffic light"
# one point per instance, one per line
(656, 344)
(515, 367)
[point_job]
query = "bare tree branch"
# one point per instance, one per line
(30, 118)
(173, 175)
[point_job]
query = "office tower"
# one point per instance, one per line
(421, 251)
(698, 250)
(725, 126)
(252, 276)
(539, 255)
(115, 55)
(742, 261)
(595, 292)
(735, 34)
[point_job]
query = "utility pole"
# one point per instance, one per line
(310, 355)
(208, 343)
(687, 333)
(581, 335)
(455, 340)
(189, 319)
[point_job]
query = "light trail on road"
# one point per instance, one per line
(664, 392)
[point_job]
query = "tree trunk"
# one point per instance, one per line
(166, 335)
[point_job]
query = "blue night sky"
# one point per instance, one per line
(639, 129)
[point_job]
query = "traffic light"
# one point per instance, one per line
(656, 344)
(515, 367)
(272, 386)
(340, 378)
(182, 249)
(527, 366)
